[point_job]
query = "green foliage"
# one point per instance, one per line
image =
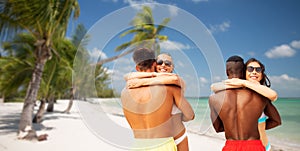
(57, 77)
(86, 76)
(28, 29)
(45, 18)
(145, 31)
(17, 68)
(101, 83)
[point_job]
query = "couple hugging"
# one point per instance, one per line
(155, 107)
(154, 103)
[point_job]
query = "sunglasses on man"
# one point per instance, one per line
(166, 62)
(257, 69)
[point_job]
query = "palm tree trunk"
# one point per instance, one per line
(39, 115)
(154, 47)
(2, 100)
(51, 101)
(72, 93)
(114, 57)
(25, 125)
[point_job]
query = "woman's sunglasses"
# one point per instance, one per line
(257, 69)
(166, 62)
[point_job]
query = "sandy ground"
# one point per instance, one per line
(76, 131)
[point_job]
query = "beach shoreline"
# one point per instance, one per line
(72, 132)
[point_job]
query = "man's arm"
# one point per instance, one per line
(183, 105)
(257, 87)
(274, 118)
(214, 116)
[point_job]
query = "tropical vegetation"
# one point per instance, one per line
(37, 58)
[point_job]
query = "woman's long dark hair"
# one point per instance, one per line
(265, 80)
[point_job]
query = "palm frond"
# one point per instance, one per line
(161, 26)
(15, 73)
(162, 37)
(80, 37)
(132, 31)
(123, 46)
(43, 19)
(22, 46)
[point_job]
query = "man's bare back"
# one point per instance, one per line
(148, 109)
(237, 111)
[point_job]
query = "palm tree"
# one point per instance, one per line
(146, 33)
(101, 82)
(46, 21)
(57, 77)
(59, 72)
(82, 65)
(17, 65)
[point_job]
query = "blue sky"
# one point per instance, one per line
(202, 34)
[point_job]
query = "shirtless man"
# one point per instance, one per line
(148, 109)
(164, 65)
(236, 111)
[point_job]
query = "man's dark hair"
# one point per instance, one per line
(235, 67)
(235, 59)
(144, 58)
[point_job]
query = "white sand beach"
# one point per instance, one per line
(70, 132)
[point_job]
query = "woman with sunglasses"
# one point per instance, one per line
(164, 63)
(255, 72)
(164, 75)
(256, 80)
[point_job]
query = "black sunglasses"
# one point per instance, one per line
(166, 62)
(257, 69)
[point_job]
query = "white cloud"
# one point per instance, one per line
(173, 45)
(218, 79)
(251, 53)
(295, 44)
(108, 71)
(281, 52)
(285, 85)
(173, 10)
(96, 53)
(203, 80)
(136, 3)
(220, 27)
(179, 63)
(283, 77)
(102, 55)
